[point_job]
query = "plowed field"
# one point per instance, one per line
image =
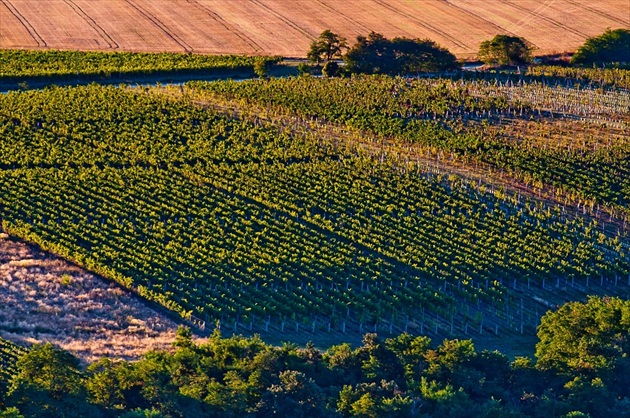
(286, 27)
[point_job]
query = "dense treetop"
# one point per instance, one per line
(613, 46)
(327, 46)
(375, 54)
(505, 50)
(589, 338)
(401, 376)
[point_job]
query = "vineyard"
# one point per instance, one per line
(572, 141)
(279, 206)
(9, 355)
(25, 65)
(609, 77)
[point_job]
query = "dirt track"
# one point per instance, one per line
(286, 27)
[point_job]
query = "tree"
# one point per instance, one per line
(344, 363)
(451, 362)
(11, 413)
(378, 362)
(505, 50)
(376, 54)
(371, 400)
(443, 400)
(49, 384)
(183, 338)
(422, 55)
(526, 378)
(591, 397)
(303, 69)
(411, 352)
(142, 413)
(576, 414)
(590, 337)
(327, 46)
(104, 385)
(611, 46)
(155, 376)
(296, 395)
(370, 55)
(231, 397)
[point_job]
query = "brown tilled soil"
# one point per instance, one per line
(286, 27)
(44, 298)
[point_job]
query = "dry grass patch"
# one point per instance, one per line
(45, 298)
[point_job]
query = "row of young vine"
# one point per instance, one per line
(108, 126)
(202, 250)
(220, 218)
(463, 118)
(24, 63)
(9, 355)
(601, 77)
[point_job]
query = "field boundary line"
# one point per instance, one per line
(91, 22)
(283, 18)
(25, 23)
(536, 13)
(354, 22)
(477, 16)
(421, 23)
(216, 17)
(599, 12)
(161, 26)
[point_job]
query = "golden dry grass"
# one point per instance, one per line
(286, 27)
(44, 298)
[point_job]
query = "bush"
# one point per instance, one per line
(330, 69)
(303, 69)
(261, 68)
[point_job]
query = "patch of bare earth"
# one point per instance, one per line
(45, 298)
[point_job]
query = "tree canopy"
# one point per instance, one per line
(327, 46)
(422, 55)
(505, 50)
(582, 370)
(585, 337)
(49, 384)
(613, 46)
(375, 54)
